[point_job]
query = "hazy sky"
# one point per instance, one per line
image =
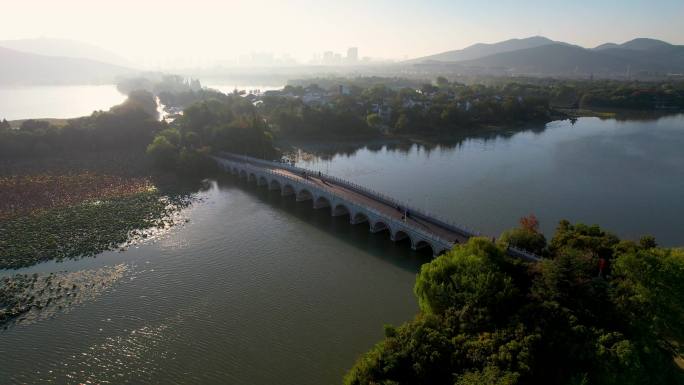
(204, 30)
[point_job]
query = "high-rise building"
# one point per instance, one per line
(328, 57)
(352, 55)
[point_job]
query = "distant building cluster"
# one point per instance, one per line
(266, 59)
(334, 58)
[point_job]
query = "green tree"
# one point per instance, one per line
(488, 319)
(526, 237)
(163, 153)
(466, 278)
(373, 120)
(650, 290)
(402, 123)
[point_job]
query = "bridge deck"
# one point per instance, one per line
(444, 232)
(361, 199)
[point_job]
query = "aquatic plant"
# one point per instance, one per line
(24, 194)
(28, 298)
(85, 229)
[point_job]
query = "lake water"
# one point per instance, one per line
(56, 101)
(259, 289)
(254, 289)
(627, 176)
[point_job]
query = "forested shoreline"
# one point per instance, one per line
(596, 310)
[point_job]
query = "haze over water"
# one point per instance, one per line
(33, 102)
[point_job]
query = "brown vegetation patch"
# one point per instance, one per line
(24, 194)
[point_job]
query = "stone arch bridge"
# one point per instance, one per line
(362, 205)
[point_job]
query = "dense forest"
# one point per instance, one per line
(349, 110)
(129, 126)
(229, 123)
(367, 107)
(596, 310)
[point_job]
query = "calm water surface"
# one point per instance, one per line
(254, 289)
(627, 176)
(56, 101)
(259, 289)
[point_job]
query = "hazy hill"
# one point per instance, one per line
(20, 68)
(638, 57)
(560, 59)
(482, 49)
(639, 44)
(645, 44)
(65, 48)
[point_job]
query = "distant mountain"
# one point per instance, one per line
(20, 68)
(644, 44)
(640, 44)
(606, 46)
(541, 56)
(481, 50)
(636, 56)
(65, 48)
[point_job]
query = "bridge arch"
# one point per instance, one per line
(251, 177)
(288, 190)
(304, 195)
(243, 174)
(401, 235)
(340, 210)
(274, 185)
(321, 202)
(262, 181)
(423, 244)
(379, 226)
(359, 217)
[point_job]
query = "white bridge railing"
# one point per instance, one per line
(384, 198)
(270, 166)
(392, 222)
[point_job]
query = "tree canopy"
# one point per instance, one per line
(227, 124)
(129, 126)
(596, 311)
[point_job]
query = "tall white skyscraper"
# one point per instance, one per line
(352, 55)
